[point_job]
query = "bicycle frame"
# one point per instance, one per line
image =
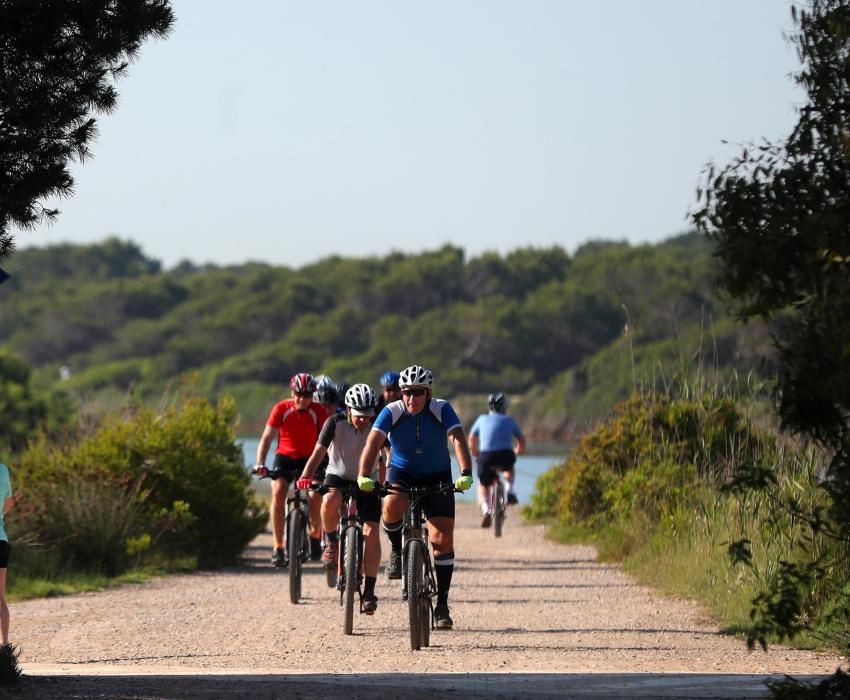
(414, 545)
(350, 573)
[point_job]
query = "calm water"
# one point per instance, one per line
(528, 468)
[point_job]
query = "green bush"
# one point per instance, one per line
(166, 483)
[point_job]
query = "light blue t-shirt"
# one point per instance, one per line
(5, 492)
(418, 441)
(495, 431)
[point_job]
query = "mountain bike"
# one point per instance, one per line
(498, 503)
(297, 543)
(348, 572)
(418, 579)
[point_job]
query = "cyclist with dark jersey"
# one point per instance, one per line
(491, 441)
(296, 423)
(329, 397)
(419, 428)
(342, 439)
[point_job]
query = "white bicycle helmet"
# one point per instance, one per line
(361, 399)
(416, 375)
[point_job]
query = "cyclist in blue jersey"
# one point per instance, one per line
(491, 441)
(420, 428)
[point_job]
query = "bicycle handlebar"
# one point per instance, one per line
(416, 491)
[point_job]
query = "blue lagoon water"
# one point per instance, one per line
(528, 467)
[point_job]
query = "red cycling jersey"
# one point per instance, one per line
(297, 430)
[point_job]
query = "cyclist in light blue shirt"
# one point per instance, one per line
(491, 441)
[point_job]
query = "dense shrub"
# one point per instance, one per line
(644, 458)
(166, 483)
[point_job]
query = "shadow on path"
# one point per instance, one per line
(382, 686)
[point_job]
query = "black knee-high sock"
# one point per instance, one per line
(393, 531)
(445, 566)
(369, 586)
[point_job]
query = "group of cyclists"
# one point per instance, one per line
(333, 435)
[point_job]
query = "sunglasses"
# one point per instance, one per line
(413, 392)
(304, 394)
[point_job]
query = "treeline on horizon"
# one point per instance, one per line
(565, 335)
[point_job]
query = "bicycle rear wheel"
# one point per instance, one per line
(294, 545)
(498, 507)
(349, 572)
(415, 588)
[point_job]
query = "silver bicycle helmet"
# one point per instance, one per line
(416, 375)
(361, 399)
(497, 402)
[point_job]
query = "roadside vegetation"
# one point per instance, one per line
(132, 494)
(665, 486)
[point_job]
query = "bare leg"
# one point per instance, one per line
(315, 501)
(372, 552)
(330, 510)
(280, 487)
(484, 497)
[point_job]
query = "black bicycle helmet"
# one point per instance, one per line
(497, 402)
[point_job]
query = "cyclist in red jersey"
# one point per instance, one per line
(296, 422)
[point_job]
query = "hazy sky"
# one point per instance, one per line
(288, 131)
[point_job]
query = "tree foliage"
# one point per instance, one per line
(58, 66)
(780, 215)
(516, 322)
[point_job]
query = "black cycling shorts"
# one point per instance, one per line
(492, 461)
(368, 504)
(289, 468)
(5, 550)
(438, 505)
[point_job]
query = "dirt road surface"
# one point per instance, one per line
(549, 615)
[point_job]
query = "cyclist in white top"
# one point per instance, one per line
(342, 439)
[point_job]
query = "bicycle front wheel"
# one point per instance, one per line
(498, 507)
(415, 591)
(294, 545)
(350, 564)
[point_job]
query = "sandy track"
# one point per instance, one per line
(520, 604)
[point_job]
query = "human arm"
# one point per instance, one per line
(473, 444)
(319, 452)
(367, 460)
(8, 502)
(520, 445)
(263, 448)
(464, 459)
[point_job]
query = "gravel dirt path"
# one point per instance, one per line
(520, 605)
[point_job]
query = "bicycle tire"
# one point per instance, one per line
(415, 588)
(425, 608)
(294, 535)
(349, 571)
(498, 507)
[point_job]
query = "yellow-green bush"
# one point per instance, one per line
(169, 483)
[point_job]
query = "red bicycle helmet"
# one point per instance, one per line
(302, 383)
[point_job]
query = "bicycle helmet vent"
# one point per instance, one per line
(361, 399)
(497, 402)
(302, 383)
(416, 375)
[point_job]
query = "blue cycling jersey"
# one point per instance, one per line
(495, 431)
(418, 441)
